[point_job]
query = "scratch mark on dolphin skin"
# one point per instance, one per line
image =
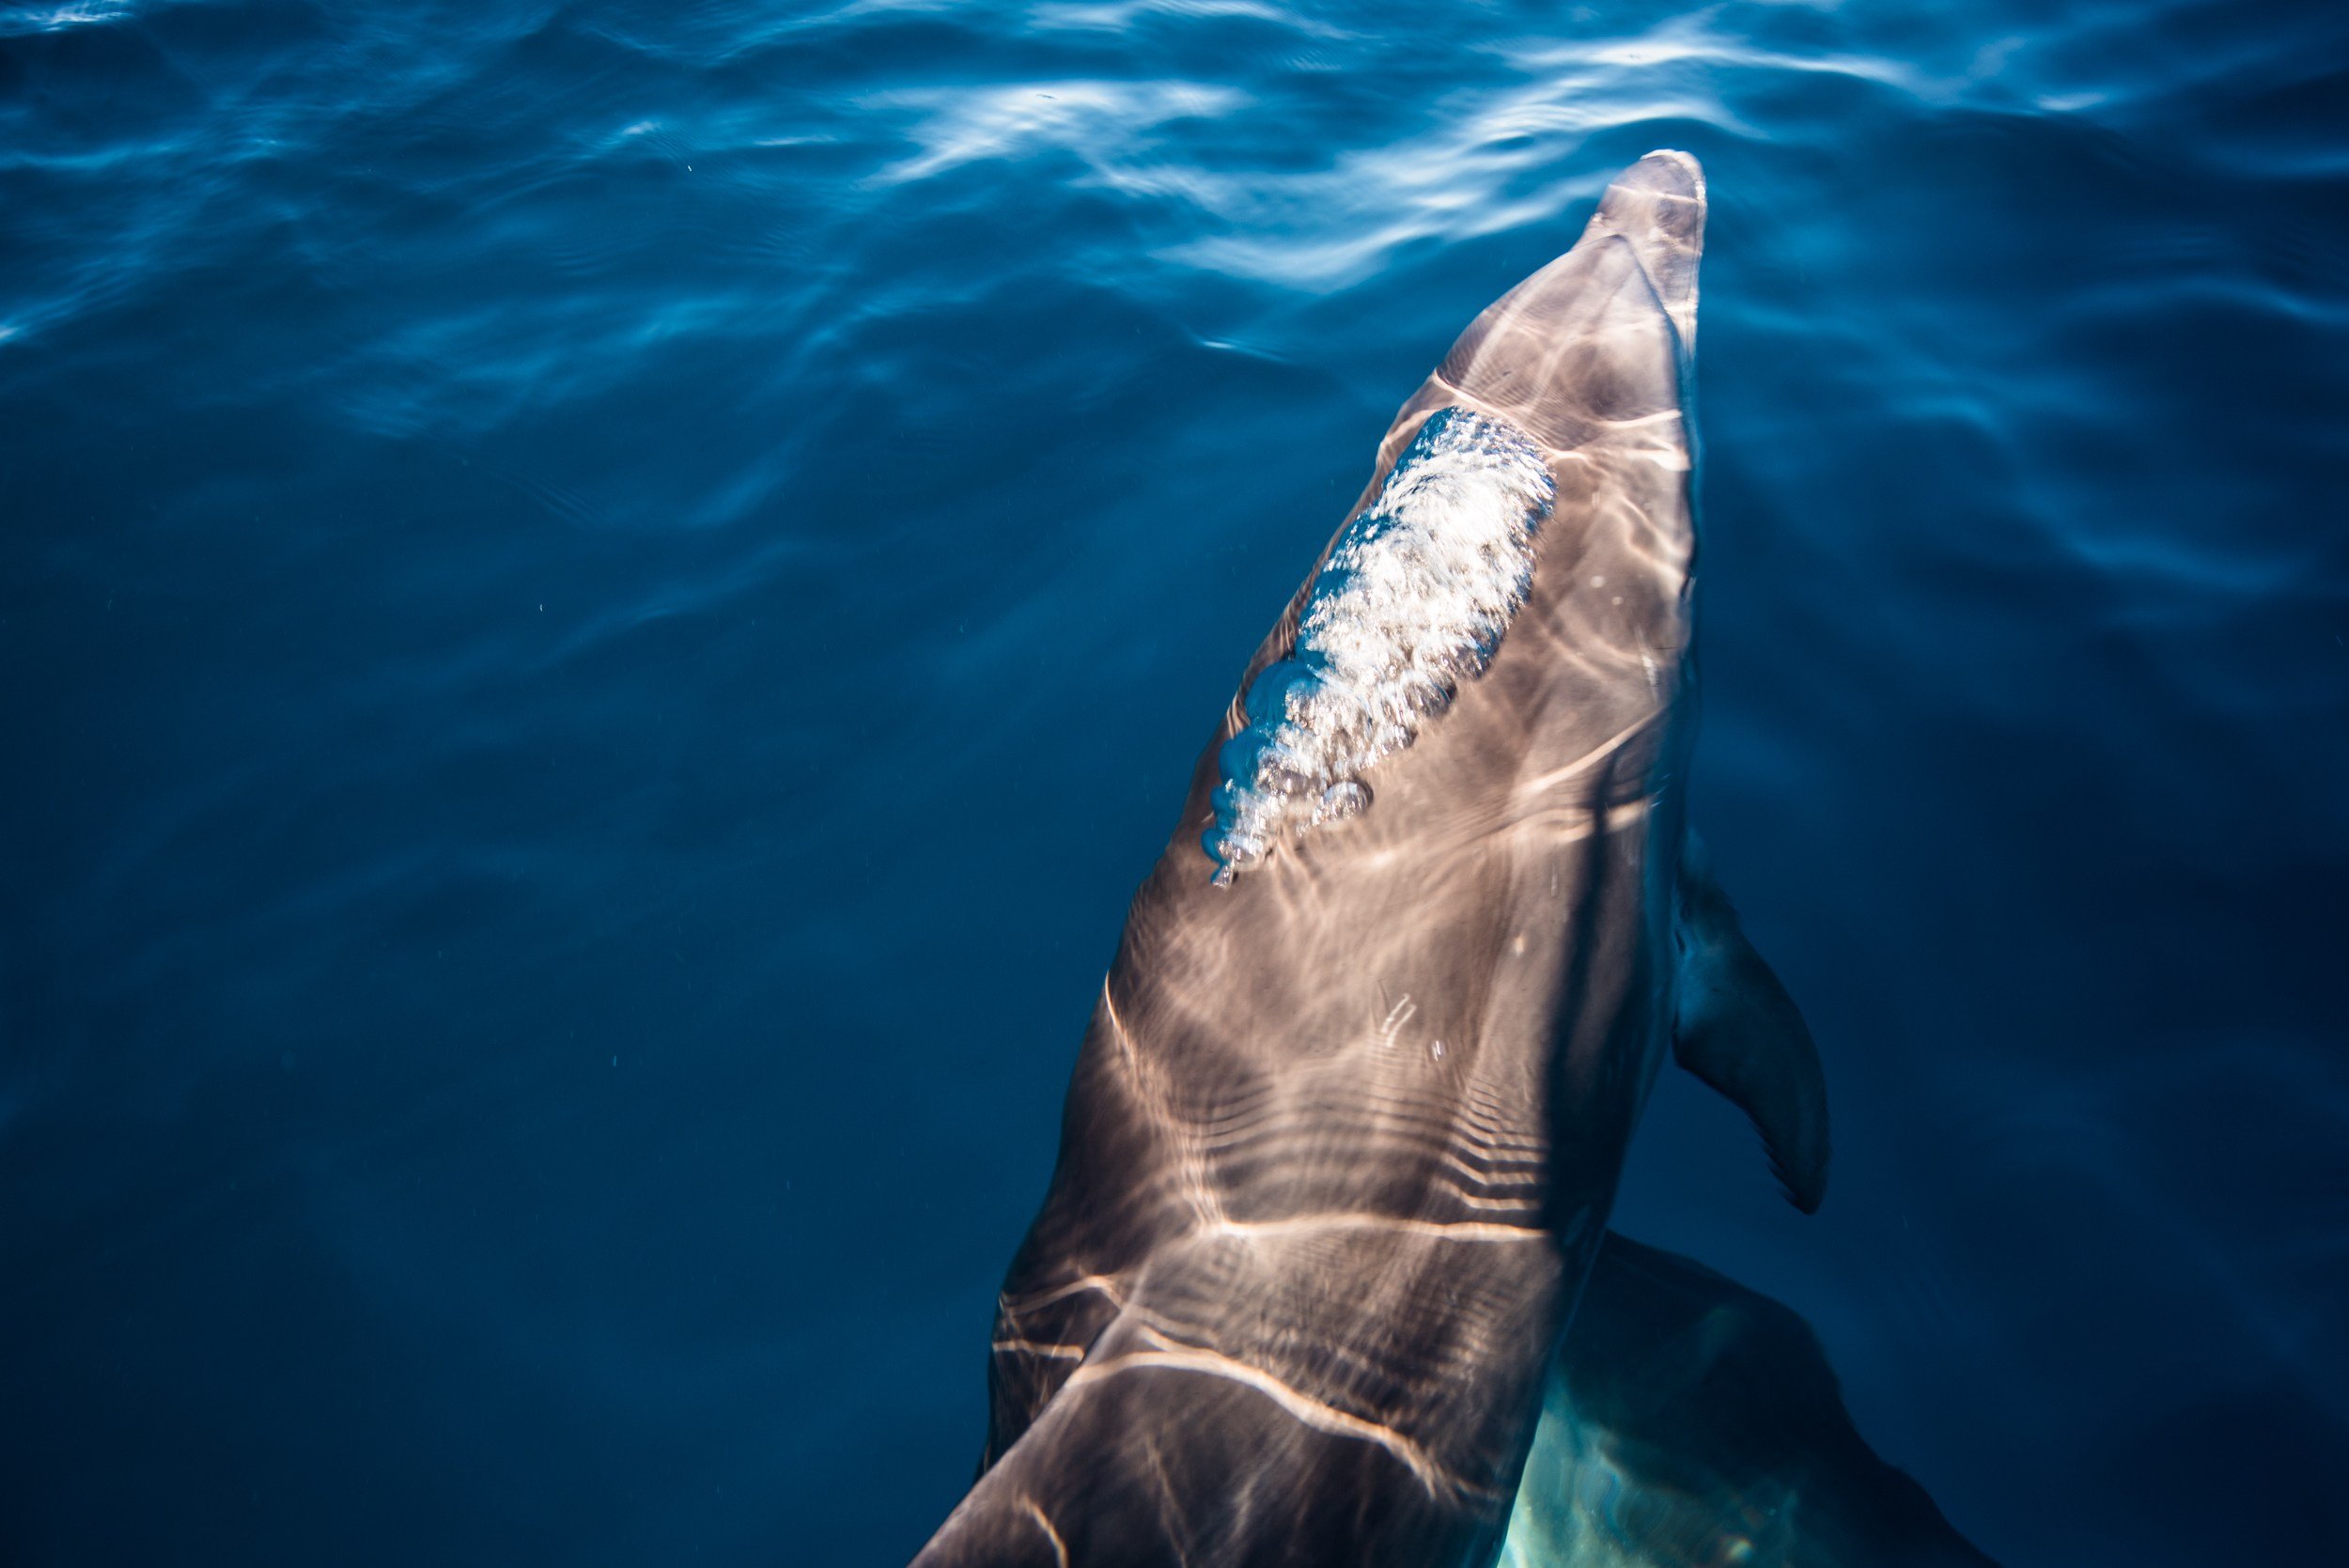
(1604, 750)
(1563, 825)
(1498, 1180)
(1124, 1038)
(1107, 1284)
(1037, 1347)
(1504, 1205)
(1191, 1158)
(1043, 1520)
(1663, 416)
(1447, 1230)
(1176, 1357)
(1171, 1522)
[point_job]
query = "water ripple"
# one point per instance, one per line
(554, 548)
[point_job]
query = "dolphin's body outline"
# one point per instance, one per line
(1343, 1135)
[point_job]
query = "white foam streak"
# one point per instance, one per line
(1414, 598)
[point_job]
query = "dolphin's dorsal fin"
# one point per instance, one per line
(1736, 1029)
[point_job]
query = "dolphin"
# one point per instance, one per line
(1344, 1129)
(1689, 1421)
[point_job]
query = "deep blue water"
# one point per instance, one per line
(601, 605)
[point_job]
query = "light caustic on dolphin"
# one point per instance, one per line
(1344, 1133)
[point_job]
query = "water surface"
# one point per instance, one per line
(603, 603)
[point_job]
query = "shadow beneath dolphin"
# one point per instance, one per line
(1690, 1420)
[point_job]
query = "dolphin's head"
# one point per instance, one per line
(1515, 577)
(1599, 340)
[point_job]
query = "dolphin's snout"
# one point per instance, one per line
(1658, 205)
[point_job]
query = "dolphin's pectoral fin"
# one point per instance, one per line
(1737, 1030)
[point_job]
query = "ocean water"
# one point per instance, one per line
(601, 605)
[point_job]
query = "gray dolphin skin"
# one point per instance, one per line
(1692, 1421)
(1344, 1130)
